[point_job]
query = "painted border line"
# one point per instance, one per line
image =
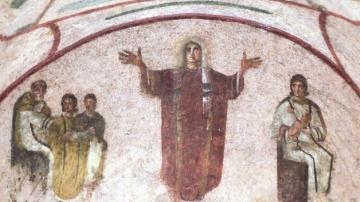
(57, 37)
(45, 24)
(86, 12)
(334, 14)
(183, 3)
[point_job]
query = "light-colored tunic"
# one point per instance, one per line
(306, 148)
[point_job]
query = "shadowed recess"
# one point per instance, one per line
(17, 3)
(181, 3)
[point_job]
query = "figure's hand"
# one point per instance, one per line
(290, 110)
(46, 110)
(294, 130)
(127, 57)
(89, 189)
(306, 131)
(249, 63)
(68, 134)
(282, 130)
(39, 106)
(305, 120)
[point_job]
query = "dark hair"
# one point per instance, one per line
(41, 83)
(90, 96)
(300, 78)
(69, 96)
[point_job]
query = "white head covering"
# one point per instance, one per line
(205, 74)
(182, 56)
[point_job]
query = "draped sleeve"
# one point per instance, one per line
(151, 82)
(227, 86)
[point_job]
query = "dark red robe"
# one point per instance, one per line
(192, 132)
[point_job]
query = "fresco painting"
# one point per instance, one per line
(299, 127)
(180, 101)
(68, 149)
(194, 107)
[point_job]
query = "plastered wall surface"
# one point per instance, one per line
(74, 45)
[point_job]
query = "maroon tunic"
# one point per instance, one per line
(192, 132)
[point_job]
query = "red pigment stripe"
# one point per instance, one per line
(45, 24)
(322, 23)
(145, 21)
(354, 22)
(336, 15)
(57, 35)
(4, 38)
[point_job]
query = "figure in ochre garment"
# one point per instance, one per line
(194, 110)
(299, 125)
(72, 168)
(70, 152)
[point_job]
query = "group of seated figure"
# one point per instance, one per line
(65, 152)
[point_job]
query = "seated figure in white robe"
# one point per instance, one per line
(299, 125)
